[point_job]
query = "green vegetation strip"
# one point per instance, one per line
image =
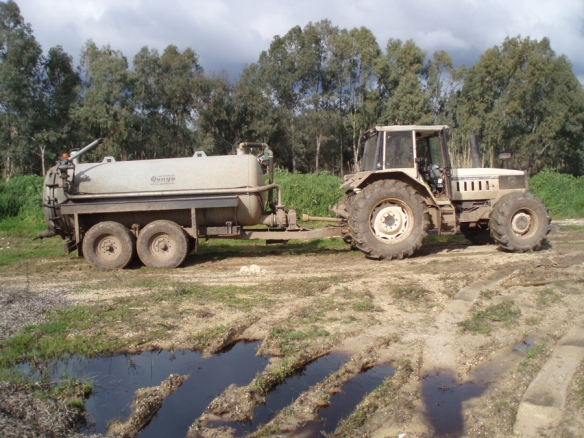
(480, 322)
(21, 200)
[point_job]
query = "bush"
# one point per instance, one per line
(20, 195)
(309, 193)
(21, 205)
(563, 194)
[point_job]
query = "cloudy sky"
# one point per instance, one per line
(228, 34)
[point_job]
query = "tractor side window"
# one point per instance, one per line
(368, 161)
(435, 151)
(422, 150)
(399, 151)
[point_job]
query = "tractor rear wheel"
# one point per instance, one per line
(519, 222)
(388, 220)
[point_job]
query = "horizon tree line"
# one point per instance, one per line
(311, 96)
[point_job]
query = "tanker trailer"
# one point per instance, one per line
(159, 209)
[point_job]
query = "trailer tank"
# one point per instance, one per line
(103, 208)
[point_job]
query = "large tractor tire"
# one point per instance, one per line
(479, 234)
(162, 244)
(519, 222)
(388, 220)
(109, 245)
(345, 204)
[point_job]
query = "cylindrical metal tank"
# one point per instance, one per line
(198, 176)
(168, 175)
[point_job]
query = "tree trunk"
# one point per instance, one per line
(318, 142)
(42, 149)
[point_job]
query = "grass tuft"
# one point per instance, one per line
(480, 322)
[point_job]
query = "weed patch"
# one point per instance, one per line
(480, 322)
(547, 297)
(532, 354)
(412, 293)
(363, 306)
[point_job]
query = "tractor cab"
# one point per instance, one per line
(421, 150)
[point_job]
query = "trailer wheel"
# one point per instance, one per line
(388, 220)
(109, 245)
(480, 234)
(162, 244)
(519, 222)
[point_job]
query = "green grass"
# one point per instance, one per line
(412, 293)
(63, 334)
(480, 322)
(291, 340)
(547, 297)
(532, 353)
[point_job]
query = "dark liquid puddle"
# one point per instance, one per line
(344, 402)
(443, 396)
(116, 379)
(285, 393)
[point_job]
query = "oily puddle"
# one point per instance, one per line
(444, 395)
(116, 379)
(341, 404)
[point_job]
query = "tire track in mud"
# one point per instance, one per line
(543, 403)
(439, 351)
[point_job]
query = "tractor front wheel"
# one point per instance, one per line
(519, 222)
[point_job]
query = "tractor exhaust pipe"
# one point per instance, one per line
(475, 153)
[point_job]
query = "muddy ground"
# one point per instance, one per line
(501, 334)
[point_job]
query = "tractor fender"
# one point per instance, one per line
(360, 180)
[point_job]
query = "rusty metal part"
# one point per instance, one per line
(307, 218)
(291, 235)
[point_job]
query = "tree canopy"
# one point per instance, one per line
(311, 95)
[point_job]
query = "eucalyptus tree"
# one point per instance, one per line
(522, 98)
(59, 90)
(165, 91)
(357, 58)
(287, 72)
(403, 99)
(106, 107)
(20, 58)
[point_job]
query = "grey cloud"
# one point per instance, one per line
(230, 33)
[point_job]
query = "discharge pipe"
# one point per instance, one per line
(77, 154)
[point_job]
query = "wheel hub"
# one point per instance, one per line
(389, 221)
(108, 247)
(521, 223)
(162, 246)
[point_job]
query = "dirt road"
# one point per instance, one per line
(484, 343)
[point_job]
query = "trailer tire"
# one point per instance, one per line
(388, 220)
(109, 245)
(478, 235)
(162, 244)
(519, 222)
